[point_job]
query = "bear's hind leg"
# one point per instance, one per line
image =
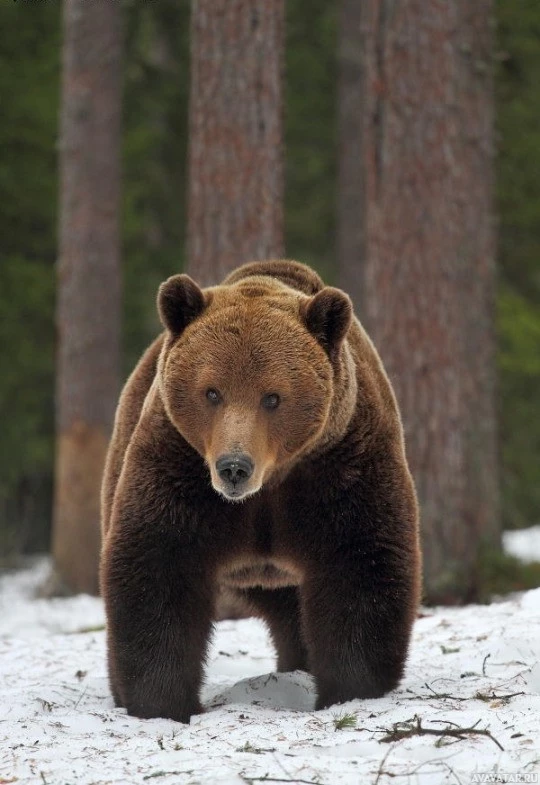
(280, 609)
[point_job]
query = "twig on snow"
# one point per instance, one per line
(435, 762)
(481, 696)
(486, 697)
(444, 694)
(381, 770)
(405, 730)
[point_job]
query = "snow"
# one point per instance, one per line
(523, 543)
(477, 666)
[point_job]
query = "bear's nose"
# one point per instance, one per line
(235, 467)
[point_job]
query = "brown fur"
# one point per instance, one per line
(324, 544)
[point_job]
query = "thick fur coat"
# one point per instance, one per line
(258, 445)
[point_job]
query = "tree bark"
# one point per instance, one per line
(427, 261)
(89, 281)
(235, 200)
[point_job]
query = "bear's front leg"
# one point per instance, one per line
(357, 636)
(360, 594)
(159, 609)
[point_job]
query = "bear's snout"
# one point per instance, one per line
(234, 470)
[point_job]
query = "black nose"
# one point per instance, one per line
(235, 467)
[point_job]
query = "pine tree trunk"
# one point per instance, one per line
(235, 211)
(427, 275)
(88, 300)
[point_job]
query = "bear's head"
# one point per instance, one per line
(248, 373)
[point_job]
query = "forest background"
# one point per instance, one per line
(156, 85)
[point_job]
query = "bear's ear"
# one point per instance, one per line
(180, 300)
(328, 316)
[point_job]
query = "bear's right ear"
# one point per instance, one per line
(180, 300)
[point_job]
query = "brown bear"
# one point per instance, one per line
(258, 446)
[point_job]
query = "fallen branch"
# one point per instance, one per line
(405, 730)
(486, 697)
(444, 694)
(481, 696)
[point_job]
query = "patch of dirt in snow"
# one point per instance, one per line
(473, 667)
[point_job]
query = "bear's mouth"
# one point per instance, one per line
(235, 494)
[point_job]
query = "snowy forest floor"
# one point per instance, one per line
(467, 711)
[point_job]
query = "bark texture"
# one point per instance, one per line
(427, 260)
(235, 145)
(89, 283)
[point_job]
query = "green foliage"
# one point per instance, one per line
(26, 402)
(344, 721)
(518, 105)
(26, 409)
(154, 159)
(519, 324)
(518, 196)
(310, 133)
(29, 69)
(499, 574)
(519, 421)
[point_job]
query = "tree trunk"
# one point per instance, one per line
(235, 211)
(427, 261)
(89, 296)
(235, 197)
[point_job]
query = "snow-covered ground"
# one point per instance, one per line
(523, 543)
(476, 668)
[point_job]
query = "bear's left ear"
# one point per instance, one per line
(328, 316)
(180, 300)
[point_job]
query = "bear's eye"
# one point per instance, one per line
(270, 401)
(213, 396)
